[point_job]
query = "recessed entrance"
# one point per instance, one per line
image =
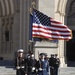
(70, 48)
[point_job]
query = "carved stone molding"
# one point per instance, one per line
(3, 21)
(6, 7)
(61, 7)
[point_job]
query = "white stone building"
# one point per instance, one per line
(14, 27)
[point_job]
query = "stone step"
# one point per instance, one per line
(62, 71)
(67, 71)
(7, 67)
(7, 71)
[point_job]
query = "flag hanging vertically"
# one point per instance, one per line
(30, 31)
(48, 28)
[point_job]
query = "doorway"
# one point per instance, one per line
(70, 48)
(6, 51)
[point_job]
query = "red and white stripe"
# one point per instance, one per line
(56, 30)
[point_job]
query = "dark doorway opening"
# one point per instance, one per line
(70, 51)
(70, 48)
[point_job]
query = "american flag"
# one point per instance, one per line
(48, 28)
(30, 31)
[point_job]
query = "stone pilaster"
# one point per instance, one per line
(24, 24)
(47, 7)
(16, 26)
(60, 15)
(0, 34)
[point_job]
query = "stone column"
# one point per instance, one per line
(59, 15)
(16, 26)
(0, 34)
(24, 24)
(61, 53)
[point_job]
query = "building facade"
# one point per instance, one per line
(14, 27)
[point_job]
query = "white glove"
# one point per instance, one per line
(22, 66)
(40, 69)
(18, 67)
(33, 68)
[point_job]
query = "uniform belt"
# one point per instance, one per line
(42, 69)
(22, 67)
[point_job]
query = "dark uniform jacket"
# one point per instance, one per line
(52, 65)
(57, 62)
(31, 66)
(51, 62)
(20, 66)
(56, 66)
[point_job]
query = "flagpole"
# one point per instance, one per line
(32, 40)
(20, 41)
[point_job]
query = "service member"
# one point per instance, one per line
(51, 64)
(57, 64)
(31, 65)
(20, 63)
(46, 56)
(42, 65)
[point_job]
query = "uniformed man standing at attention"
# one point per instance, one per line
(42, 65)
(31, 65)
(20, 63)
(52, 64)
(57, 64)
(46, 56)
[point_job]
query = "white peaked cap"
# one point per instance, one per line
(20, 50)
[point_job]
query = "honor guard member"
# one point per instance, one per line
(27, 58)
(28, 55)
(42, 65)
(46, 56)
(51, 64)
(20, 63)
(31, 65)
(57, 64)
